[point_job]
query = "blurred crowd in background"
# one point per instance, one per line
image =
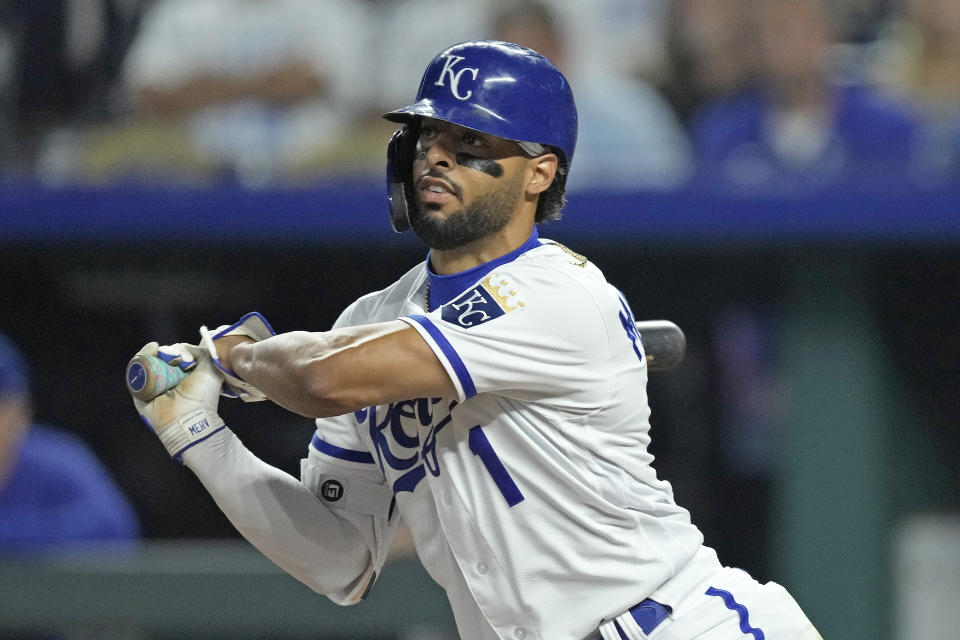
(745, 94)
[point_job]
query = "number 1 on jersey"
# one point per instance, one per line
(482, 448)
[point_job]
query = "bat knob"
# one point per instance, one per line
(147, 377)
(136, 376)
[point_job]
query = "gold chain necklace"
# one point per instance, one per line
(426, 298)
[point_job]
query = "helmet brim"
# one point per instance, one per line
(421, 109)
(471, 116)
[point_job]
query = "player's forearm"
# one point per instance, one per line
(278, 515)
(336, 372)
(297, 370)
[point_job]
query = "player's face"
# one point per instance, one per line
(469, 184)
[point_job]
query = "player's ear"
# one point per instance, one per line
(542, 170)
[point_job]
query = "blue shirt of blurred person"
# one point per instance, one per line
(54, 492)
(742, 142)
(59, 494)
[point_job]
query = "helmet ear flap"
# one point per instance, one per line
(400, 152)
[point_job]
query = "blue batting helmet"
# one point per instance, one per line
(498, 88)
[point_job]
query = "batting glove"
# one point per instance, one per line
(175, 355)
(186, 414)
(253, 326)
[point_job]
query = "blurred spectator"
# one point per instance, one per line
(629, 138)
(919, 57)
(252, 89)
(405, 35)
(54, 493)
(401, 37)
(859, 21)
(58, 59)
(626, 36)
(708, 53)
(797, 128)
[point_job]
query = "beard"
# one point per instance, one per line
(486, 215)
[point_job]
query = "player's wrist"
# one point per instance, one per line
(226, 348)
(227, 345)
(209, 452)
(188, 430)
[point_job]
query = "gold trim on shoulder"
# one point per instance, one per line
(581, 261)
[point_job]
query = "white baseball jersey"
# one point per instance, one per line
(530, 495)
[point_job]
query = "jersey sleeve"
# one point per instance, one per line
(282, 518)
(528, 332)
(341, 471)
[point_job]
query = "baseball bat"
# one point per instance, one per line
(664, 345)
(149, 376)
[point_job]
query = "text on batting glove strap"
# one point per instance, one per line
(188, 429)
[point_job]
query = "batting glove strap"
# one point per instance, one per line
(251, 325)
(234, 387)
(189, 429)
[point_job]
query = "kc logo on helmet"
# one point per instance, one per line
(455, 75)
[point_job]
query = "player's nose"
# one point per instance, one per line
(441, 152)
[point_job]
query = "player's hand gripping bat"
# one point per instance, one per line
(148, 376)
(663, 344)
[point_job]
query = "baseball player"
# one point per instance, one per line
(493, 398)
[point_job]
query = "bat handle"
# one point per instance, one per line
(148, 377)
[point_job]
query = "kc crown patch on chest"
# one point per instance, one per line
(490, 299)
